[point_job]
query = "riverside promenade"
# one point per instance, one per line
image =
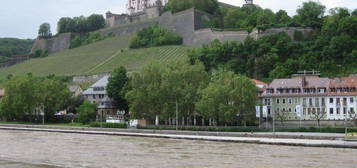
(280, 138)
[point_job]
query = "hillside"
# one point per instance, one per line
(102, 56)
(13, 46)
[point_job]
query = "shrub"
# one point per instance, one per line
(89, 38)
(155, 36)
(87, 112)
(108, 125)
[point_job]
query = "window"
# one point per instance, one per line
(296, 100)
(101, 96)
(284, 101)
(338, 101)
(323, 102)
(310, 101)
(290, 101)
(352, 111)
(331, 100)
(94, 97)
(337, 110)
(277, 101)
(351, 100)
(331, 111)
(289, 110)
(309, 111)
(344, 101)
(267, 102)
(317, 102)
(304, 111)
(304, 101)
(344, 110)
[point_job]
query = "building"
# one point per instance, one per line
(248, 2)
(75, 90)
(97, 94)
(137, 6)
(2, 93)
(307, 96)
(260, 85)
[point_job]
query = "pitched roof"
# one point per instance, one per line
(257, 82)
(73, 88)
(100, 83)
(311, 82)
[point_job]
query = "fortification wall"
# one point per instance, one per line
(205, 36)
(129, 28)
(289, 30)
(53, 45)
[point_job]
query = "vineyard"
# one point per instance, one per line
(103, 56)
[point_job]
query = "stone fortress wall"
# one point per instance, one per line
(188, 24)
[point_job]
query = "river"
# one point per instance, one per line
(19, 149)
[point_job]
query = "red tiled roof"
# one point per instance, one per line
(258, 82)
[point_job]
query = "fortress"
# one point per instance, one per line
(189, 24)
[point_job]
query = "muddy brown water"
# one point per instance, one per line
(20, 149)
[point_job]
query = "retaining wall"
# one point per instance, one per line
(53, 45)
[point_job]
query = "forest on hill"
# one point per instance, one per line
(13, 46)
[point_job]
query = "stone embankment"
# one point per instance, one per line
(291, 139)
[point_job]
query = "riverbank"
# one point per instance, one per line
(291, 139)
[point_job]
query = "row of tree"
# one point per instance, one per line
(221, 97)
(79, 24)
(28, 97)
(331, 49)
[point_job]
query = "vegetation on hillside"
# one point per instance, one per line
(44, 31)
(13, 46)
(331, 48)
(154, 36)
(209, 6)
(81, 24)
(88, 38)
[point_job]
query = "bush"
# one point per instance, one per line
(87, 112)
(155, 36)
(89, 38)
(108, 125)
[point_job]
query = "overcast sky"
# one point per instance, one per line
(21, 18)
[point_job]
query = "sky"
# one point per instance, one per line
(21, 18)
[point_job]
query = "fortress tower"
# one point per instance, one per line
(248, 2)
(137, 6)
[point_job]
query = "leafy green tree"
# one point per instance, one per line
(13, 46)
(310, 14)
(95, 22)
(54, 96)
(44, 30)
(22, 98)
(209, 6)
(116, 88)
(282, 17)
(227, 97)
(87, 112)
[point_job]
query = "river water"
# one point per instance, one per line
(19, 149)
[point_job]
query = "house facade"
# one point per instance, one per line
(307, 96)
(97, 94)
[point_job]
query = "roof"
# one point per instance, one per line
(73, 88)
(257, 82)
(100, 83)
(344, 82)
(311, 82)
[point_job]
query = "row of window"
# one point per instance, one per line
(344, 111)
(310, 90)
(311, 101)
(100, 96)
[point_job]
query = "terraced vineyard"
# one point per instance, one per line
(133, 60)
(103, 56)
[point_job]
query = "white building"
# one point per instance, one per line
(136, 6)
(97, 94)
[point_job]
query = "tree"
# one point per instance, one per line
(87, 112)
(209, 6)
(44, 30)
(95, 22)
(116, 88)
(282, 116)
(227, 96)
(310, 14)
(22, 98)
(54, 96)
(318, 115)
(282, 17)
(354, 13)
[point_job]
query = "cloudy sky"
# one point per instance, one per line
(21, 18)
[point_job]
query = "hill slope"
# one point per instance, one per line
(103, 56)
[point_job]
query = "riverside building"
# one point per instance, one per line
(307, 96)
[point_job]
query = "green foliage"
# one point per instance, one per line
(40, 53)
(209, 6)
(155, 36)
(108, 125)
(331, 50)
(156, 90)
(227, 96)
(44, 30)
(92, 37)
(28, 96)
(12, 46)
(310, 14)
(87, 112)
(81, 24)
(116, 88)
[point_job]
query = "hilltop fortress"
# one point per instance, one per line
(143, 13)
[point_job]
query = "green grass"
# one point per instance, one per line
(103, 56)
